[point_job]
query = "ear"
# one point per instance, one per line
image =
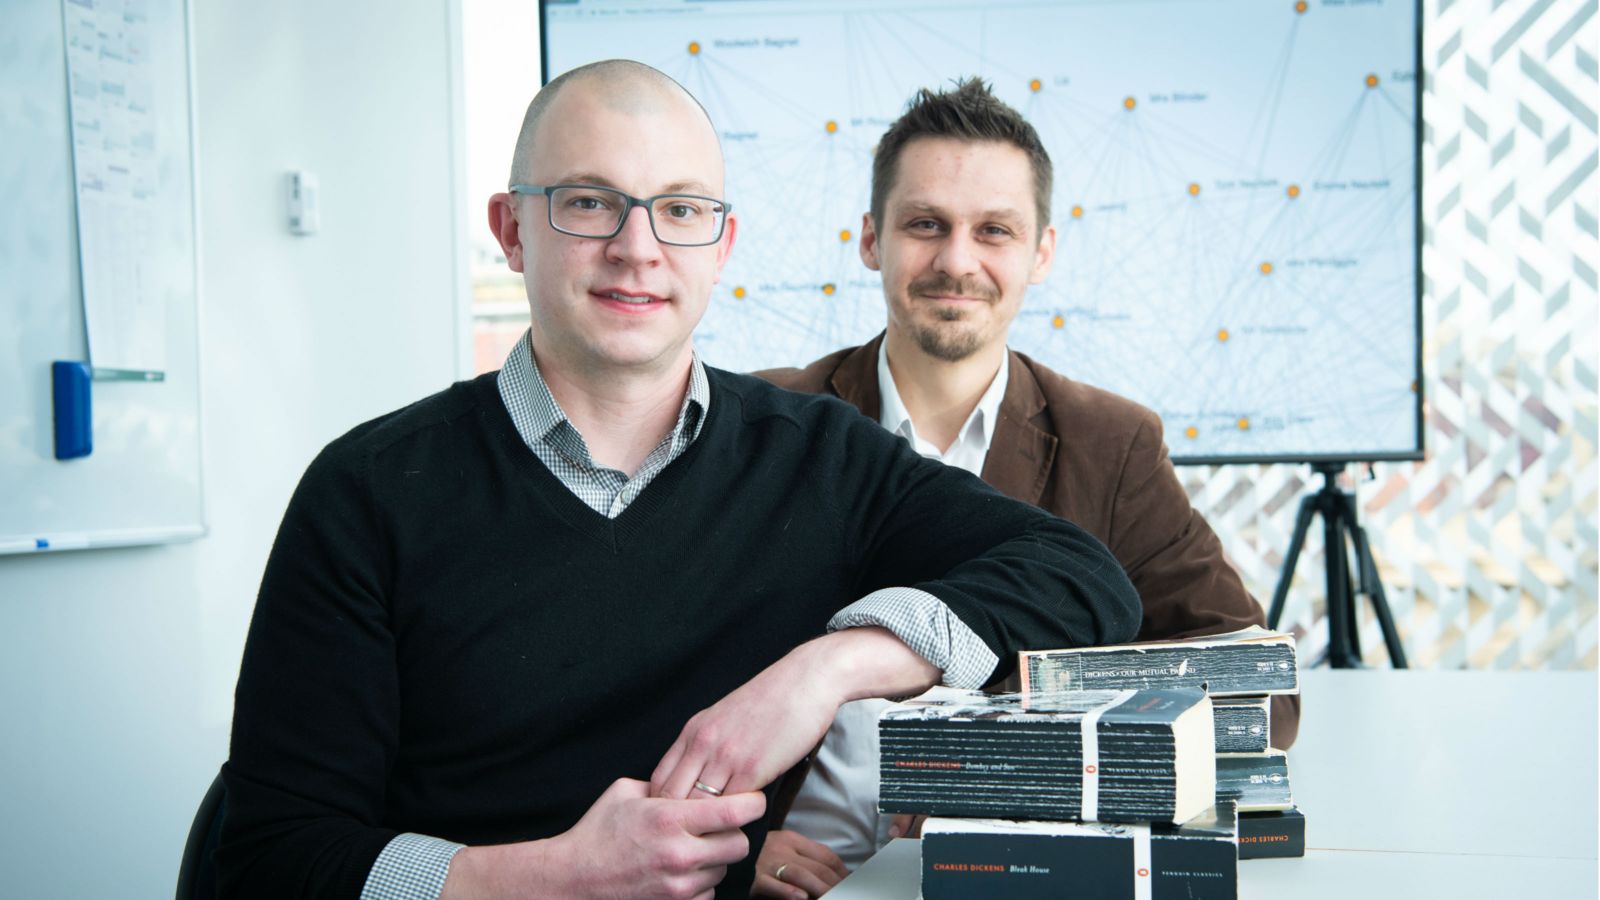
(503, 222)
(1045, 256)
(869, 243)
(730, 230)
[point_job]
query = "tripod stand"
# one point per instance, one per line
(1338, 510)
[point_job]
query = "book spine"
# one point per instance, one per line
(970, 866)
(1222, 670)
(1242, 728)
(974, 772)
(1272, 835)
(1254, 781)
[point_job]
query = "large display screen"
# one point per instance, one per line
(1236, 192)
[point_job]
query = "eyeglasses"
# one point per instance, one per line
(590, 211)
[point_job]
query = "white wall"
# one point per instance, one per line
(117, 666)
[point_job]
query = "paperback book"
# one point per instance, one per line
(1267, 835)
(1243, 724)
(968, 859)
(1248, 661)
(1254, 781)
(1109, 756)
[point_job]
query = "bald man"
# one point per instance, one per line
(552, 631)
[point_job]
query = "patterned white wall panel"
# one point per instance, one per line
(1487, 548)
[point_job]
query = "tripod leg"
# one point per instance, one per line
(1374, 589)
(1356, 582)
(1341, 597)
(1302, 523)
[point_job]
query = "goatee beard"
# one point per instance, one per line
(949, 345)
(948, 340)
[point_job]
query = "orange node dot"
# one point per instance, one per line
(1194, 189)
(1244, 424)
(738, 292)
(832, 127)
(844, 234)
(1266, 268)
(1191, 432)
(1300, 7)
(1222, 335)
(1293, 191)
(1035, 85)
(694, 48)
(1413, 387)
(1058, 322)
(1129, 103)
(1372, 81)
(828, 289)
(1077, 212)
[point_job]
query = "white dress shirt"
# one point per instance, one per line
(972, 441)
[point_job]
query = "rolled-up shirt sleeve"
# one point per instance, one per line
(411, 867)
(929, 627)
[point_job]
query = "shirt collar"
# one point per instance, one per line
(536, 413)
(978, 428)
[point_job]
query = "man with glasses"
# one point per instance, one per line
(959, 227)
(550, 632)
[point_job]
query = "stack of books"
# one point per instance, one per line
(1132, 770)
(1241, 671)
(1114, 789)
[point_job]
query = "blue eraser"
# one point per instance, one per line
(70, 389)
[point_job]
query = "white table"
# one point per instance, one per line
(1414, 784)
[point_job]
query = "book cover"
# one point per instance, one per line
(1130, 756)
(967, 859)
(1254, 781)
(1243, 724)
(1269, 835)
(1248, 661)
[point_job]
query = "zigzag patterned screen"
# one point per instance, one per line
(1487, 549)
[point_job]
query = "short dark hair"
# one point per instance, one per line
(970, 112)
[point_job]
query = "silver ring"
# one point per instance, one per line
(702, 786)
(779, 874)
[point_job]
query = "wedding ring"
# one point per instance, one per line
(779, 874)
(702, 786)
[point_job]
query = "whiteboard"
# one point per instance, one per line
(1235, 192)
(141, 484)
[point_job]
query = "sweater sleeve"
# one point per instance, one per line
(1015, 575)
(316, 710)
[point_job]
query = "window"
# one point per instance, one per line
(500, 74)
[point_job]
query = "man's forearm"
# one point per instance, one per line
(503, 870)
(477, 873)
(871, 662)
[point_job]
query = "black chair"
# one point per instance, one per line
(197, 874)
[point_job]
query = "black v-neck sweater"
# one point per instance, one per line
(448, 642)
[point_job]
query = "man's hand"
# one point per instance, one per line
(747, 739)
(807, 868)
(906, 825)
(628, 844)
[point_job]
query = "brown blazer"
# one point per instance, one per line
(1098, 460)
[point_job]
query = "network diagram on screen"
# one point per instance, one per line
(1235, 191)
